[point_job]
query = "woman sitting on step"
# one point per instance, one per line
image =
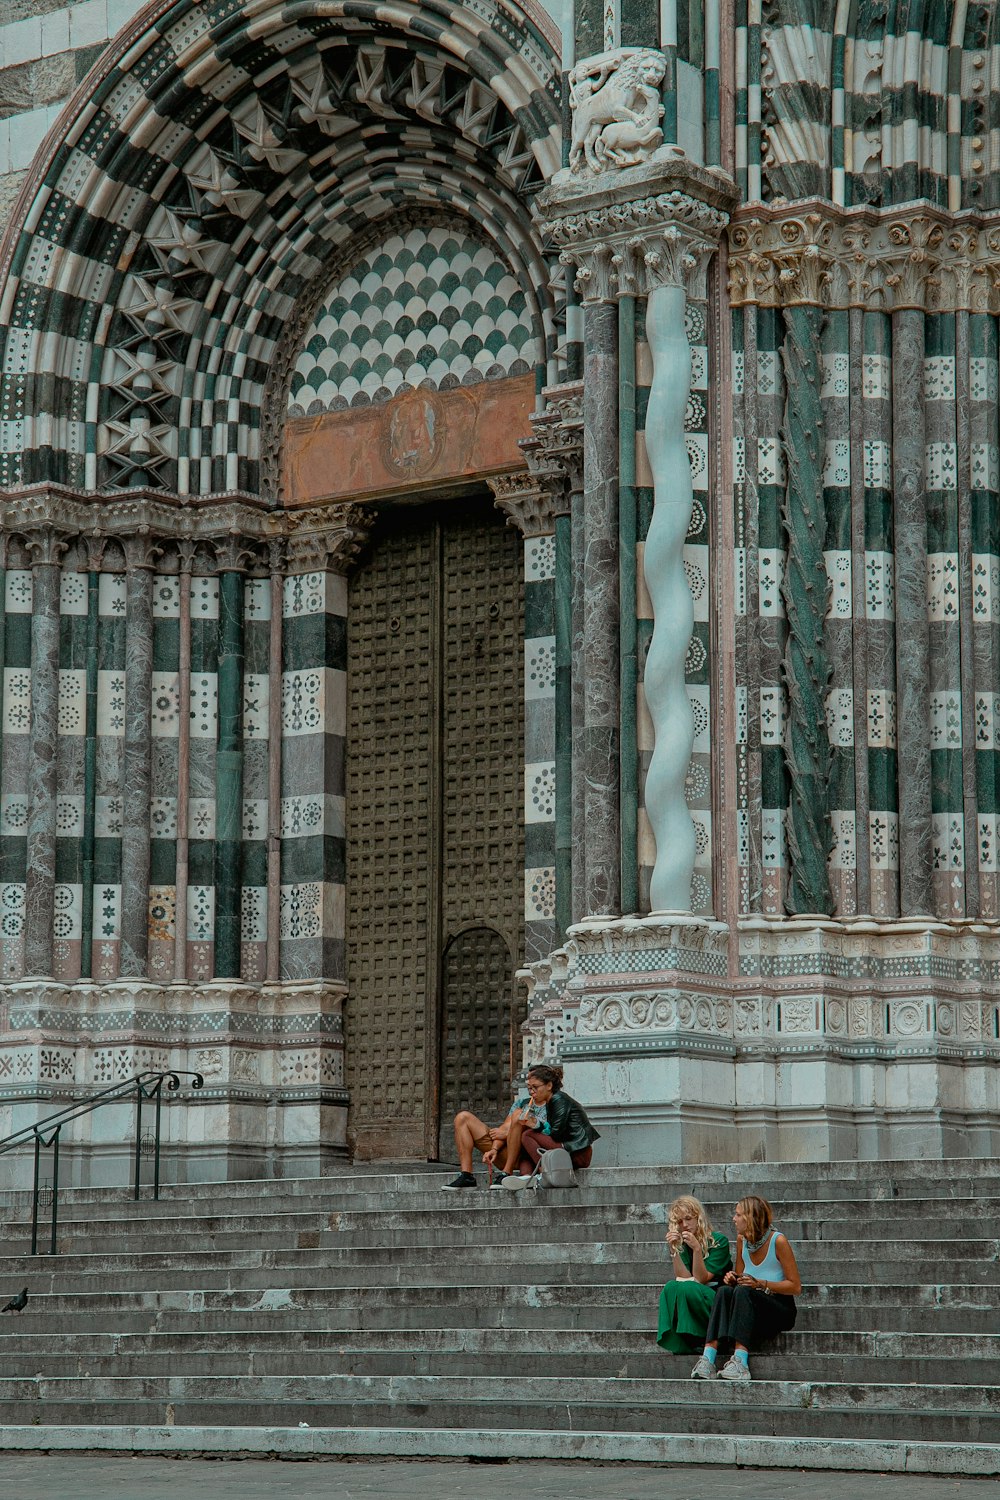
(700, 1258)
(757, 1299)
(568, 1124)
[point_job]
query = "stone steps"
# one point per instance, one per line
(815, 1357)
(956, 1414)
(431, 1225)
(389, 1316)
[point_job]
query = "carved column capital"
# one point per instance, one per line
(46, 548)
(556, 444)
(141, 550)
(530, 500)
(331, 537)
(631, 231)
(818, 254)
(234, 554)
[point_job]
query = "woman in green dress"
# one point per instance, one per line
(700, 1258)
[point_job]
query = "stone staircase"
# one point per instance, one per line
(370, 1313)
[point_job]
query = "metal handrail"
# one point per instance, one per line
(46, 1133)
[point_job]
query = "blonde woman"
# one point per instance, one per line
(700, 1258)
(757, 1299)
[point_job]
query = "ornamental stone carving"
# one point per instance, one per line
(239, 528)
(646, 227)
(331, 537)
(558, 433)
(615, 99)
(817, 254)
(530, 500)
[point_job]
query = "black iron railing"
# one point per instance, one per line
(45, 1135)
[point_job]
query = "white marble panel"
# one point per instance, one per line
(540, 791)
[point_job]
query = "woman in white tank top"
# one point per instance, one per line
(757, 1299)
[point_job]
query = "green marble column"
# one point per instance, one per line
(39, 896)
(229, 778)
(89, 780)
(140, 555)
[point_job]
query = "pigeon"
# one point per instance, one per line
(18, 1303)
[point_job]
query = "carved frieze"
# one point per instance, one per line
(239, 530)
(817, 254)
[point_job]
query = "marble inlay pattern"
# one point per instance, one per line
(432, 308)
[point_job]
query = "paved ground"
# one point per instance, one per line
(79, 1477)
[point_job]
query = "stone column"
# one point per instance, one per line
(140, 555)
(229, 762)
(559, 435)
(90, 766)
(185, 554)
(912, 632)
(322, 547)
(46, 549)
(601, 701)
(276, 572)
(646, 231)
(578, 814)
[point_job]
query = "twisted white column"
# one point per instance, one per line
(673, 607)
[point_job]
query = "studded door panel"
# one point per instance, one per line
(476, 1039)
(434, 825)
(483, 790)
(391, 634)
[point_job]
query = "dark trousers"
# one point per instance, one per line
(745, 1316)
(534, 1142)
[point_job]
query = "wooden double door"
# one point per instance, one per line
(434, 821)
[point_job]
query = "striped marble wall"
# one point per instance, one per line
(911, 795)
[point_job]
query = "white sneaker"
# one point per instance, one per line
(704, 1370)
(736, 1371)
(514, 1182)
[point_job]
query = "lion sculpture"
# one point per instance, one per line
(616, 109)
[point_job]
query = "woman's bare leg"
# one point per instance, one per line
(468, 1129)
(513, 1145)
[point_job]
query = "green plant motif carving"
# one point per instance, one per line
(806, 668)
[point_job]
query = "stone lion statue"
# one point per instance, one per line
(616, 107)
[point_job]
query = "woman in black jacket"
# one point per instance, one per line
(569, 1126)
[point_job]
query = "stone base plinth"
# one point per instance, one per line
(805, 1039)
(273, 1103)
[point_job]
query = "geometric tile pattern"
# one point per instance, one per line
(431, 307)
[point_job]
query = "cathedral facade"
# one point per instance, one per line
(500, 547)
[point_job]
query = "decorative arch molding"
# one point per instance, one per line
(195, 194)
